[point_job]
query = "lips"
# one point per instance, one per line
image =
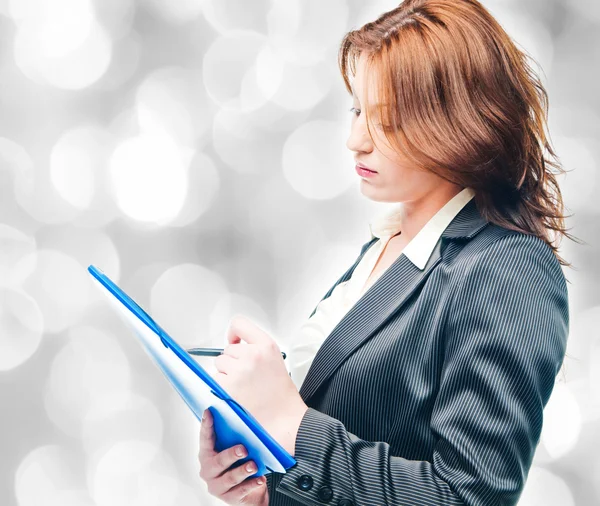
(362, 172)
(362, 166)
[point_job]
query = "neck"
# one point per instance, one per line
(416, 213)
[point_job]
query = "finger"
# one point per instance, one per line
(233, 477)
(218, 474)
(223, 461)
(241, 327)
(222, 379)
(237, 493)
(234, 350)
(207, 438)
(225, 363)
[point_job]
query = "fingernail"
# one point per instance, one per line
(204, 415)
(259, 482)
(239, 451)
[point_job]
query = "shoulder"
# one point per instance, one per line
(510, 299)
(500, 252)
(512, 274)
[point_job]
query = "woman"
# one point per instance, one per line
(425, 369)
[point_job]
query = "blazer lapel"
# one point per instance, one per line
(348, 274)
(381, 300)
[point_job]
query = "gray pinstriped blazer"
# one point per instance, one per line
(431, 389)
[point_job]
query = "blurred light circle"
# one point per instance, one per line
(85, 65)
(582, 360)
(58, 283)
(133, 473)
(528, 33)
(544, 487)
(14, 245)
(32, 188)
(87, 246)
(229, 70)
(183, 299)
(70, 498)
(178, 12)
(188, 496)
(588, 10)
(23, 10)
(149, 176)
(65, 48)
(261, 81)
(302, 88)
(260, 220)
(116, 416)
(316, 162)
(594, 377)
(71, 169)
(85, 185)
(65, 27)
(89, 366)
(21, 328)
(242, 145)
(586, 392)
(595, 475)
(43, 474)
(14, 157)
(323, 259)
(170, 102)
(562, 422)
(226, 306)
(227, 15)
(307, 31)
(203, 190)
(116, 15)
(124, 63)
(269, 70)
(577, 186)
(183, 427)
(125, 124)
(368, 11)
(577, 361)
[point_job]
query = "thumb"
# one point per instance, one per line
(242, 328)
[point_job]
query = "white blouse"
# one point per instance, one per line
(308, 338)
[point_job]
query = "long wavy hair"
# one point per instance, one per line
(463, 102)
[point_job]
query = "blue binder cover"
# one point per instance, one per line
(232, 423)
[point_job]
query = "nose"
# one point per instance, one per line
(359, 139)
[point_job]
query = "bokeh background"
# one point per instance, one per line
(194, 150)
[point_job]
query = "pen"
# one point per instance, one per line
(212, 352)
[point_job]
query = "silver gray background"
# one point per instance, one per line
(195, 152)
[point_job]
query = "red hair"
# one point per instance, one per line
(463, 102)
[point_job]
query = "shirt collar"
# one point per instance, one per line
(419, 249)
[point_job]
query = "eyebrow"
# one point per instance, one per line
(374, 106)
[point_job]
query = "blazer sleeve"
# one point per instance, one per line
(505, 341)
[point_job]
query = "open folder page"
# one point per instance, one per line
(232, 424)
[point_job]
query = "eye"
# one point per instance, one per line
(379, 126)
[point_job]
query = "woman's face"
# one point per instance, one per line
(396, 180)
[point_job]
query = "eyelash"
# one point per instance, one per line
(354, 110)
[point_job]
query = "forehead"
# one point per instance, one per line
(364, 80)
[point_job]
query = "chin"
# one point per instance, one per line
(374, 193)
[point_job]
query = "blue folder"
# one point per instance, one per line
(232, 423)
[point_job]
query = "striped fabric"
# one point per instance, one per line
(308, 337)
(431, 389)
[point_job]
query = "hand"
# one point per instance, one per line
(253, 373)
(231, 486)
